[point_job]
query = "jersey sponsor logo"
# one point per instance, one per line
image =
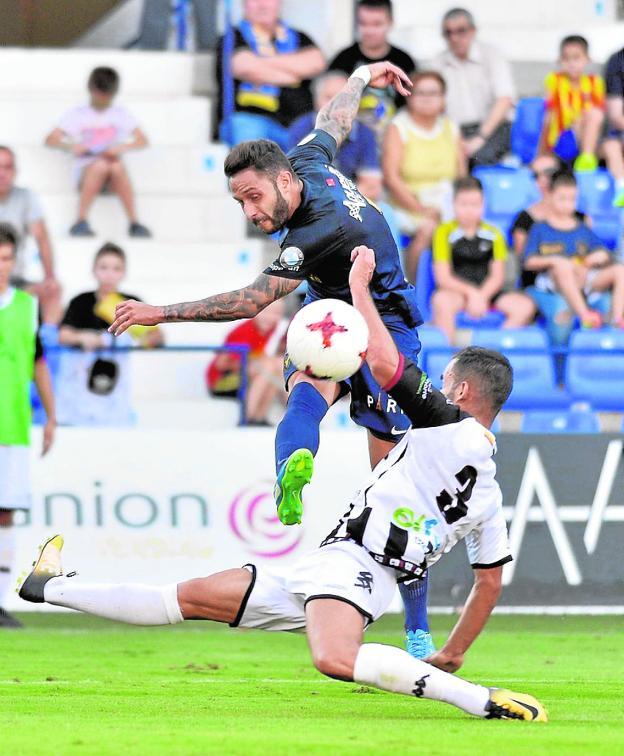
(389, 405)
(424, 387)
(291, 258)
(406, 518)
(365, 581)
(307, 139)
(354, 201)
(419, 686)
(315, 279)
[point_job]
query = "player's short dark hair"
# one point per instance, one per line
(104, 79)
(467, 184)
(574, 39)
(491, 369)
(262, 155)
(110, 248)
(562, 177)
(383, 4)
(9, 235)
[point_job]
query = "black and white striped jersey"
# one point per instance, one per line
(436, 487)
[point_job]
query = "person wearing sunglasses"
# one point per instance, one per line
(480, 89)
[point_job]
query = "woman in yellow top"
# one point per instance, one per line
(421, 158)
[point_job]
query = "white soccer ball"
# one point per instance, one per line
(328, 339)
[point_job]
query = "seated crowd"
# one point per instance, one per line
(413, 156)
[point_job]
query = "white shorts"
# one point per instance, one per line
(277, 597)
(15, 477)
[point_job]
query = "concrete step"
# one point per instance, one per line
(167, 120)
(177, 218)
(43, 71)
(211, 414)
(158, 169)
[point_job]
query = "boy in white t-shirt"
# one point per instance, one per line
(97, 135)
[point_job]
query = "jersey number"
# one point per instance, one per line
(455, 507)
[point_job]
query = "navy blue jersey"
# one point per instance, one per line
(331, 220)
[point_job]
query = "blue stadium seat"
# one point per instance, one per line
(608, 229)
(534, 384)
(491, 319)
(571, 421)
(597, 378)
(430, 337)
(435, 363)
(504, 339)
(507, 190)
(596, 192)
(527, 127)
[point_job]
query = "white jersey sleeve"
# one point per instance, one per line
(488, 542)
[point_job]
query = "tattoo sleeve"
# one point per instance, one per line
(337, 117)
(233, 305)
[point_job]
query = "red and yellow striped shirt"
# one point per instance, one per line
(567, 100)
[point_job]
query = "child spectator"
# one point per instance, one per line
(374, 24)
(267, 76)
(422, 156)
(21, 361)
(543, 167)
(574, 268)
(575, 104)
(469, 266)
(264, 335)
(93, 385)
(98, 134)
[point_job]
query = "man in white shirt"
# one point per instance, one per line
(434, 488)
(480, 89)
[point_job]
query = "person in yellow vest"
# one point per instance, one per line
(422, 156)
(21, 361)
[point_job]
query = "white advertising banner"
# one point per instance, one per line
(162, 506)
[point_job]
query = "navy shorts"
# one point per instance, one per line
(371, 407)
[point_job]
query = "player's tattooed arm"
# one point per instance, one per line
(337, 117)
(232, 305)
(241, 303)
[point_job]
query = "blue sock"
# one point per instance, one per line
(414, 595)
(299, 428)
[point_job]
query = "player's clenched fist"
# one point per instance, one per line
(363, 259)
(131, 313)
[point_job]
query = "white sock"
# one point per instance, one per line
(133, 603)
(393, 669)
(7, 554)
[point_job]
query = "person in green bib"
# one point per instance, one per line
(21, 361)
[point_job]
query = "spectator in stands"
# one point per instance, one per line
(612, 146)
(357, 157)
(265, 337)
(422, 156)
(267, 77)
(574, 268)
(21, 208)
(575, 104)
(374, 23)
(97, 135)
(469, 266)
(155, 25)
(480, 89)
(93, 386)
(543, 167)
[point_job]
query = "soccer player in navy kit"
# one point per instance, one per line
(325, 218)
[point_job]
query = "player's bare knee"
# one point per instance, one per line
(335, 663)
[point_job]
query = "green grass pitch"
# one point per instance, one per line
(74, 685)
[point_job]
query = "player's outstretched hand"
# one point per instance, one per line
(445, 661)
(363, 259)
(386, 74)
(131, 313)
